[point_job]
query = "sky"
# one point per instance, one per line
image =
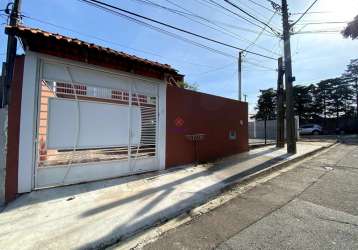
(316, 56)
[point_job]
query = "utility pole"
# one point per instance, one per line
(11, 53)
(290, 119)
(280, 134)
(240, 75)
(356, 87)
(245, 97)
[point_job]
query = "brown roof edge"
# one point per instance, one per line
(28, 34)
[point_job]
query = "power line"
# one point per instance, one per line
(111, 42)
(171, 34)
(304, 13)
(317, 31)
(262, 31)
(252, 16)
(215, 22)
(311, 12)
(106, 6)
(214, 70)
(188, 14)
(213, 3)
(262, 6)
(327, 22)
(259, 65)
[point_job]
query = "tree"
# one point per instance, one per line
(266, 105)
(303, 101)
(189, 86)
(340, 98)
(352, 29)
(351, 75)
(320, 99)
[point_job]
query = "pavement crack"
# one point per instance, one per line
(337, 221)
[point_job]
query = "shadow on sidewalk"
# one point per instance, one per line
(198, 198)
(49, 194)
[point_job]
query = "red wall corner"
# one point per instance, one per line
(12, 157)
(190, 112)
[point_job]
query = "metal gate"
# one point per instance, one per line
(89, 132)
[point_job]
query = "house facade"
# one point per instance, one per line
(80, 112)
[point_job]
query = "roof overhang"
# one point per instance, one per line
(71, 48)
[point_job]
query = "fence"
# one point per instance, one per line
(257, 129)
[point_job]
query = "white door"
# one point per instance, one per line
(94, 125)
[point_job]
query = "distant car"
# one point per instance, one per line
(310, 129)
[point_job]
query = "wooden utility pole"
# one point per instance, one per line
(280, 133)
(10, 54)
(240, 75)
(290, 119)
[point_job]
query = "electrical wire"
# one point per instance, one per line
(304, 13)
(311, 12)
(112, 9)
(259, 65)
(317, 31)
(192, 14)
(241, 38)
(260, 34)
(217, 5)
(111, 42)
(252, 16)
(262, 6)
(176, 36)
(188, 14)
(214, 70)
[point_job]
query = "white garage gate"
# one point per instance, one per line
(94, 124)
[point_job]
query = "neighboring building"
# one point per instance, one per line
(81, 112)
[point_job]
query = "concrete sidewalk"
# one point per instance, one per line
(312, 204)
(99, 214)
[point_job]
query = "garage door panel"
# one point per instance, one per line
(99, 125)
(60, 175)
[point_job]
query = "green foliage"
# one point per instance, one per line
(340, 98)
(352, 29)
(189, 86)
(330, 98)
(351, 73)
(266, 105)
(303, 101)
(351, 76)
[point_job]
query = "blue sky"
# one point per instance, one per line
(315, 56)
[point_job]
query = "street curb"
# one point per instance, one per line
(254, 146)
(152, 232)
(280, 165)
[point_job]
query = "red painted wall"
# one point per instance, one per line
(12, 157)
(190, 112)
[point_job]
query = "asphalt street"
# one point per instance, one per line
(312, 206)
